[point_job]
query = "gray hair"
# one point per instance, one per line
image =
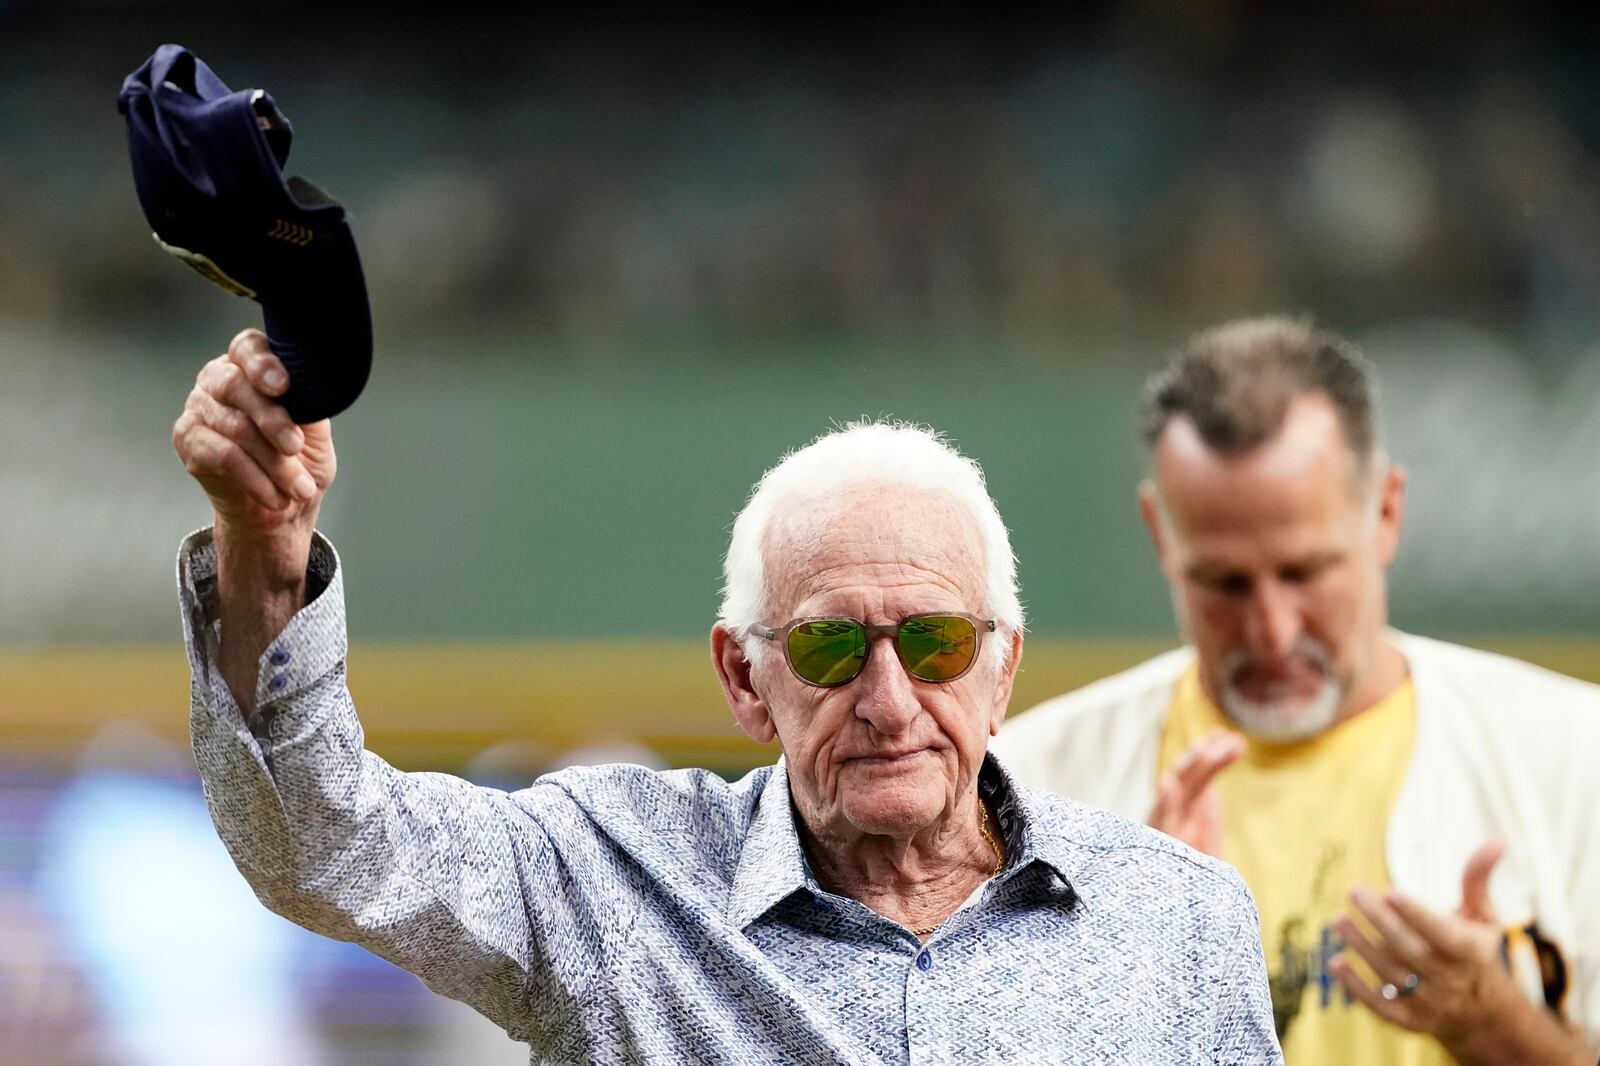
(867, 452)
(1234, 382)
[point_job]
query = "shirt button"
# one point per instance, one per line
(821, 904)
(277, 683)
(278, 658)
(925, 961)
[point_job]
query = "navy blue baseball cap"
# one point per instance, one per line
(208, 166)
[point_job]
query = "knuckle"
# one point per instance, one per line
(213, 451)
(218, 381)
(233, 424)
(246, 340)
(232, 458)
(274, 420)
(209, 369)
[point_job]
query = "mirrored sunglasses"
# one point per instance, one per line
(833, 651)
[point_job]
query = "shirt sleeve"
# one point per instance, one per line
(1577, 824)
(490, 898)
(1246, 1035)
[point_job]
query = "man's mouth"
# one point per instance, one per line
(889, 758)
(1275, 680)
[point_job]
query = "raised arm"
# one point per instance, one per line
(266, 478)
(507, 902)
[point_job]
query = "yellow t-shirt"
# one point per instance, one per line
(1304, 823)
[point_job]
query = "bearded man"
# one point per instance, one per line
(1414, 818)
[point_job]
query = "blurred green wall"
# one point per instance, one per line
(531, 535)
(503, 496)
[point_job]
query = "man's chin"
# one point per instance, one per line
(891, 809)
(1283, 721)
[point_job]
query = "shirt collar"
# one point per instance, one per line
(773, 867)
(1030, 834)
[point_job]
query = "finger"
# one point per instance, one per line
(1399, 939)
(288, 473)
(229, 383)
(1206, 817)
(1383, 962)
(256, 358)
(1475, 881)
(223, 468)
(1191, 753)
(1201, 763)
(1391, 1009)
(1166, 797)
(1448, 936)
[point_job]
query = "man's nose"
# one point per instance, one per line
(885, 694)
(1272, 624)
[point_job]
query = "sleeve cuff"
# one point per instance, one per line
(311, 645)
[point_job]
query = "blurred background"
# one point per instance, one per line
(618, 265)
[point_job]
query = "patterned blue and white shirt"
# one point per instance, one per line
(617, 914)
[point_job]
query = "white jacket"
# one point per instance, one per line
(1503, 749)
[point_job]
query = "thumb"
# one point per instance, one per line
(320, 432)
(1475, 881)
(317, 453)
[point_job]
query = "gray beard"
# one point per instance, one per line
(1282, 724)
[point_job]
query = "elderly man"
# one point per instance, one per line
(884, 894)
(1364, 781)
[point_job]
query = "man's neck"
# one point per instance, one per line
(917, 881)
(1389, 671)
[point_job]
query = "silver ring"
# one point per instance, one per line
(1407, 988)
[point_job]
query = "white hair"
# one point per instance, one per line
(866, 452)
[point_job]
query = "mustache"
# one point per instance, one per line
(1305, 647)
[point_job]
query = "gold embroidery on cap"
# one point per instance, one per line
(291, 232)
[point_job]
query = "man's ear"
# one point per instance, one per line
(1008, 678)
(1154, 522)
(733, 670)
(1391, 514)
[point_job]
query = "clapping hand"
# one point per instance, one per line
(1188, 805)
(1444, 974)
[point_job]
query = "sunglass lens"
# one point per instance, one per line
(936, 647)
(828, 651)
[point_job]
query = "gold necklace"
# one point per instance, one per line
(994, 845)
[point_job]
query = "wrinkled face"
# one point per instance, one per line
(1277, 560)
(884, 753)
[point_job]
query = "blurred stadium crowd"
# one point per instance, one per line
(1118, 169)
